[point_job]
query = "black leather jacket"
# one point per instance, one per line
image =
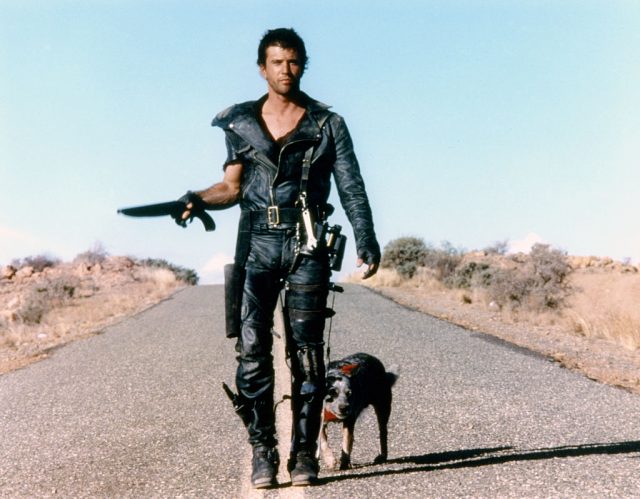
(272, 172)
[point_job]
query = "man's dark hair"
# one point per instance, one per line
(285, 38)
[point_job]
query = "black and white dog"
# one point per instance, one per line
(354, 383)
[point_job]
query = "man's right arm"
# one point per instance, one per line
(222, 194)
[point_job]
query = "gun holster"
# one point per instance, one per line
(234, 276)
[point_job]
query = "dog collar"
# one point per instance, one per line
(329, 416)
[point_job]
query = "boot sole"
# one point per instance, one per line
(303, 481)
(264, 483)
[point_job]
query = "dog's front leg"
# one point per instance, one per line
(327, 455)
(347, 444)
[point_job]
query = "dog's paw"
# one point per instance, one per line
(345, 461)
(380, 459)
(328, 459)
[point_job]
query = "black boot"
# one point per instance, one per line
(304, 468)
(264, 467)
(308, 387)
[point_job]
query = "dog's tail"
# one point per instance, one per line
(392, 375)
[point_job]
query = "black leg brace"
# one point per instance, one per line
(306, 314)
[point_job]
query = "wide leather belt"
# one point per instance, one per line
(275, 217)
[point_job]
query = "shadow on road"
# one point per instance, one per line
(471, 458)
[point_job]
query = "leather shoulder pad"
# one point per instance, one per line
(224, 118)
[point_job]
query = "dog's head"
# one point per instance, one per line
(338, 402)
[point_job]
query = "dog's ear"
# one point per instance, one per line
(349, 369)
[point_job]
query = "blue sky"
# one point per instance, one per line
(474, 121)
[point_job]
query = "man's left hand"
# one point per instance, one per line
(369, 271)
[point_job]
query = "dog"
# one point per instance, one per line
(354, 383)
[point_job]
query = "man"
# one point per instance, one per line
(282, 151)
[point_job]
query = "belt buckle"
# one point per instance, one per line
(273, 216)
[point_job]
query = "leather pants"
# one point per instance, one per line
(268, 269)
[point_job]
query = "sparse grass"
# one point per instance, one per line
(605, 306)
(618, 327)
(188, 276)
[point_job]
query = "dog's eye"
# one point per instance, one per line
(347, 393)
(332, 393)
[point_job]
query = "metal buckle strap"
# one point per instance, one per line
(308, 156)
(273, 216)
(306, 168)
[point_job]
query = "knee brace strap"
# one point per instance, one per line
(306, 296)
(296, 314)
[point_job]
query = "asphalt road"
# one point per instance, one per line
(138, 411)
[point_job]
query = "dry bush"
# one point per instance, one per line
(40, 298)
(404, 255)
(497, 248)
(538, 282)
(38, 263)
(471, 275)
(444, 260)
(96, 254)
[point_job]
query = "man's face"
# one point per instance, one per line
(282, 70)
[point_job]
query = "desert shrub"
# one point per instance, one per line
(182, 274)
(404, 255)
(38, 262)
(470, 275)
(497, 248)
(550, 268)
(510, 287)
(33, 307)
(443, 260)
(538, 282)
(62, 289)
(44, 297)
(96, 254)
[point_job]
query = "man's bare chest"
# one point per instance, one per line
(279, 126)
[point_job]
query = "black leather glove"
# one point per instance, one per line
(192, 197)
(370, 253)
(198, 207)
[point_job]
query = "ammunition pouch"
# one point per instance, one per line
(336, 243)
(234, 276)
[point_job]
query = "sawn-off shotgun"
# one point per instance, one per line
(174, 209)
